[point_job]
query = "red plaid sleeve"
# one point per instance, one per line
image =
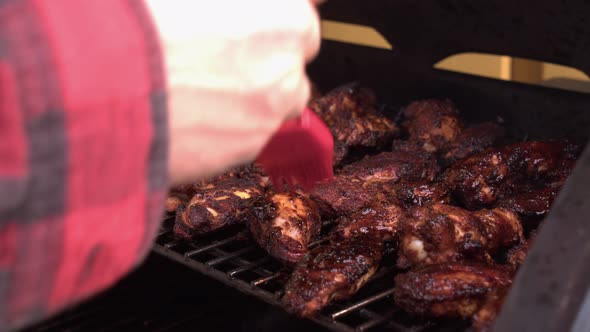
(83, 149)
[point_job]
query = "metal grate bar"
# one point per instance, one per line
(227, 257)
(215, 244)
(247, 267)
(264, 280)
(362, 303)
(171, 244)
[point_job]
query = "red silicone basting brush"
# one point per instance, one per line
(299, 153)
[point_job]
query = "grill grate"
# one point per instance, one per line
(234, 259)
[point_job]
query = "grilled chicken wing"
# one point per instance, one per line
(219, 204)
(480, 180)
(352, 115)
(394, 166)
(449, 290)
(532, 206)
(378, 221)
(368, 181)
(444, 233)
(432, 123)
(471, 140)
(419, 192)
(284, 224)
(517, 255)
(331, 272)
(485, 316)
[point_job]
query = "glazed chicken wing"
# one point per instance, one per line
(284, 224)
(352, 115)
(480, 180)
(449, 290)
(378, 221)
(485, 316)
(517, 255)
(219, 204)
(432, 123)
(331, 272)
(419, 192)
(532, 206)
(471, 140)
(444, 233)
(367, 181)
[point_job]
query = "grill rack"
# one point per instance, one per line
(233, 258)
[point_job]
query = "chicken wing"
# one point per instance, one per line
(284, 224)
(532, 206)
(444, 233)
(331, 272)
(449, 290)
(419, 192)
(351, 113)
(432, 123)
(517, 255)
(485, 316)
(394, 166)
(471, 140)
(217, 205)
(480, 180)
(378, 221)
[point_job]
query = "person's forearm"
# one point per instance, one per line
(83, 146)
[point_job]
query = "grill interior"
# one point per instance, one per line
(234, 259)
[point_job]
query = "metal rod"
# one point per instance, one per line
(362, 303)
(234, 254)
(171, 244)
(264, 280)
(163, 232)
(317, 243)
(248, 266)
(191, 253)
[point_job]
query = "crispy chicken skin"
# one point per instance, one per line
(531, 206)
(378, 221)
(432, 123)
(444, 233)
(368, 181)
(419, 192)
(472, 140)
(517, 255)
(480, 180)
(217, 205)
(351, 113)
(284, 224)
(454, 290)
(331, 272)
(485, 316)
(394, 166)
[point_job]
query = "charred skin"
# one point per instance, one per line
(369, 181)
(444, 233)
(331, 272)
(485, 316)
(451, 290)
(484, 178)
(517, 255)
(432, 123)
(284, 224)
(351, 113)
(419, 192)
(531, 206)
(472, 140)
(219, 204)
(394, 166)
(378, 221)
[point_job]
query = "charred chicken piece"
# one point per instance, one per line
(331, 272)
(432, 123)
(453, 290)
(394, 166)
(352, 115)
(378, 221)
(419, 192)
(175, 201)
(219, 204)
(284, 224)
(472, 140)
(485, 316)
(480, 180)
(517, 255)
(444, 233)
(532, 206)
